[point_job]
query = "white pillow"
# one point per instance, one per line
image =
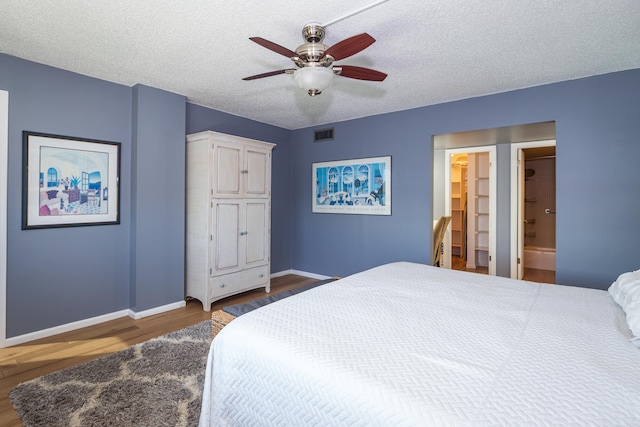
(624, 287)
(625, 291)
(629, 289)
(633, 317)
(613, 291)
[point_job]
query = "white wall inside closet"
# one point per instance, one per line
(479, 215)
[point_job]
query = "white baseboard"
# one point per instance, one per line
(21, 339)
(44, 333)
(281, 273)
(156, 310)
(301, 273)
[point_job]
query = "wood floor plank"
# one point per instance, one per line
(40, 357)
(530, 274)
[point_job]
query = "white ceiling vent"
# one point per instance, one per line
(323, 135)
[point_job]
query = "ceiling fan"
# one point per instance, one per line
(314, 60)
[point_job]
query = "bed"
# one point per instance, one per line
(407, 344)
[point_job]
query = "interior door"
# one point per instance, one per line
(521, 219)
(4, 153)
(518, 202)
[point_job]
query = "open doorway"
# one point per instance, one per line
(533, 254)
(470, 193)
(500, 139)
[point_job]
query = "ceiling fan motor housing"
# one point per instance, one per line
(310, 53)
(313, 33)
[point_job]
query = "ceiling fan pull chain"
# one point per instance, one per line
(355, 12)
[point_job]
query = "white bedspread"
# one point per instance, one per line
(412, 345)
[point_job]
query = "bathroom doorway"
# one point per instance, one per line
(534, 182)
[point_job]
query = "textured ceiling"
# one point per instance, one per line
(434, 51)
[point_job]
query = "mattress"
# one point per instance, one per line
(407, 344)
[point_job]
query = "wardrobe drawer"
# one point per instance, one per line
(241, 281)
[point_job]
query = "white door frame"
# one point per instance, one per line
(517, 201)
(491, 149)
(4, 157)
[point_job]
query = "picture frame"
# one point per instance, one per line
(69, 181)
(357, 186)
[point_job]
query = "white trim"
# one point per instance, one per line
(282, 273)
(301, 273)
(20, 339)
(68, 327)
(446, 259)
(4, 157)
(157, 310)
(515, 147)
(312, 275)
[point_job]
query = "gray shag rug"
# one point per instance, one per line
(155, 383)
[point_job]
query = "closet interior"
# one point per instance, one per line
(470, 208)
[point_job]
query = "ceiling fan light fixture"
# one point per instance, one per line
(313, 79)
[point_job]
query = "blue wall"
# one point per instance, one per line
(157, 198)
(62, 275)
(598, 190)
(337, 244)
(58, 276)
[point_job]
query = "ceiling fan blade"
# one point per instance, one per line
(350, 46)
(360, 73)
(269, 74)
(274, 47)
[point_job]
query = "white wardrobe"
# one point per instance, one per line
(228, 216)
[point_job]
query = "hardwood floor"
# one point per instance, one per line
(530, 274)
(36, 358)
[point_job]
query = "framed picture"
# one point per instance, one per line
(69, 181)
(359, 186)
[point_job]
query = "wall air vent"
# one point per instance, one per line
(323, 135)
